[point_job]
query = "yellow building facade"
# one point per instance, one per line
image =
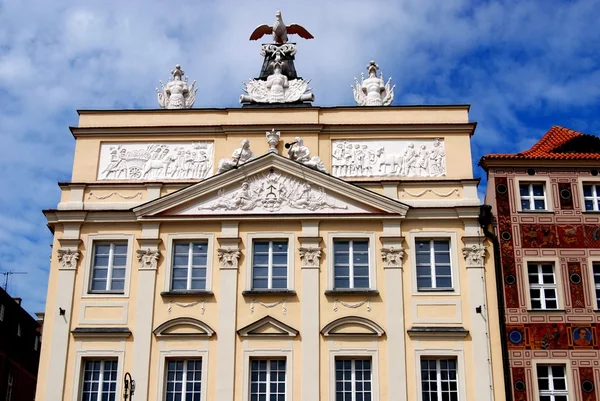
(210, 270)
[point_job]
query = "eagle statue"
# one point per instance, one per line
(280, 31)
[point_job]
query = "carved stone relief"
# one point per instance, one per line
(152, 161)
(228, 257)
(392, 257)
(310, 256)
(148, 258)
(68, 258)
(474, 255)
(272, 192)
(389, 158)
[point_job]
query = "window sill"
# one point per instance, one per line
(546, 311)
(352, 291)
(590, 211)
(446, 290)
(185, 293)
(269, 292)
(537, 211)
(105, 293)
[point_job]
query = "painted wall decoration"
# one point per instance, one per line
(552, 336)
(586, 378)
(539, 236)
(519, 380)
(388, 158)
(592, 236)
(156, 161)
(570, 235)
(273, 192)
(507, 248)
(576, 285)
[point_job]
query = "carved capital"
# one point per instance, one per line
(310, 256)
(392, 257)
(148, 258)
(474, 255)
(68, 258)
(229, 257)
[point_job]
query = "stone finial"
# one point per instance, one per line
(273, 140)
(310, 256)
(301, 154)
(228, 257)
(176, 94)
(474, 255)
(392, 257)
(148, 258)
(373, 91)
(238, 157)
(68, 258)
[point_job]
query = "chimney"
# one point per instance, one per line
(18, 300)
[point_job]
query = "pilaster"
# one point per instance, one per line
(229, 253)
(148, 256)
(310, 257)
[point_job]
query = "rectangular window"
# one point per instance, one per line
(267, 380)
(533, 196)
(108, 267)
(270, 265)
(591, 197)
(552, 383)
(190, 261)
(2, 313)
(36, 343)
(439, 380)
(19, 329)
(353, 381)
(100, 380)
(184, 380)
(596, 270)
(351, 264)
(542, 286)
(434, 270)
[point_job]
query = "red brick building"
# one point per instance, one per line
(546, 207)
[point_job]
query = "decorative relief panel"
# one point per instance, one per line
(389, 158)
(273, 192)
(156, 161)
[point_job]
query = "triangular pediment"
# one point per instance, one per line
(184, 327)
(271, 184)
(353, 326)
(268, 327)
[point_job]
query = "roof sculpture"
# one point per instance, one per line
(373, 91)
(280, 31)
(176, 94)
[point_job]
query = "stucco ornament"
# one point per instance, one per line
(373, 91)
(301, 154)
(273, 140)
(474, 255)
(392, 158)
(148, 258)
(310, 256)
(68, 258)
(392, 257)
(277, 88)
(273, 192)
(238, 157)
(280, 31)
(228, 257)
(177, 94)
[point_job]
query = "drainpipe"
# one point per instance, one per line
(485, 220)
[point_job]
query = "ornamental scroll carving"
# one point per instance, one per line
(149, 161)
(68, 258)
(389, 158)
(148, 258)
(392, 257)
(310, 256)
(474, 255)
(229, 257)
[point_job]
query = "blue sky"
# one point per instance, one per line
(522, 65)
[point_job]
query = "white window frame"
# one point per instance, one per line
(185, 380)
(442, 353)
(89, 260)
(438, 372)
(542, 287)
(172, 349)
(591, 279)
(117, 352)
(355, 353)
(415, 236)
(270, 262)
(270, 236)
(553, 361)
(101, 380)
(341, 236)
(353, 373)
(268, 353)
(269, 380)
(109, 268)
(191, 237)
(594, 198)
(531, 198)
(434, 286)
(537, 179)
(557, 276)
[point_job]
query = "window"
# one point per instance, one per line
(533, 196)
(19, 329)
(552, 383)
(542, 286)
(439, 380)
(108, 267)
(353, 380)
(1, 313)
(434, 271)
(270, 265)
(36, 343)
(184, 380)
(267, 380)
(9, 386)
(100, 380)
(190, 260)
(596, 271)
(351, 264)
(591, 197)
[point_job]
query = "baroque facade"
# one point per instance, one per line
(283, 268)
(546, 204)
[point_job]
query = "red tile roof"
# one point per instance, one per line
(548, 148)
